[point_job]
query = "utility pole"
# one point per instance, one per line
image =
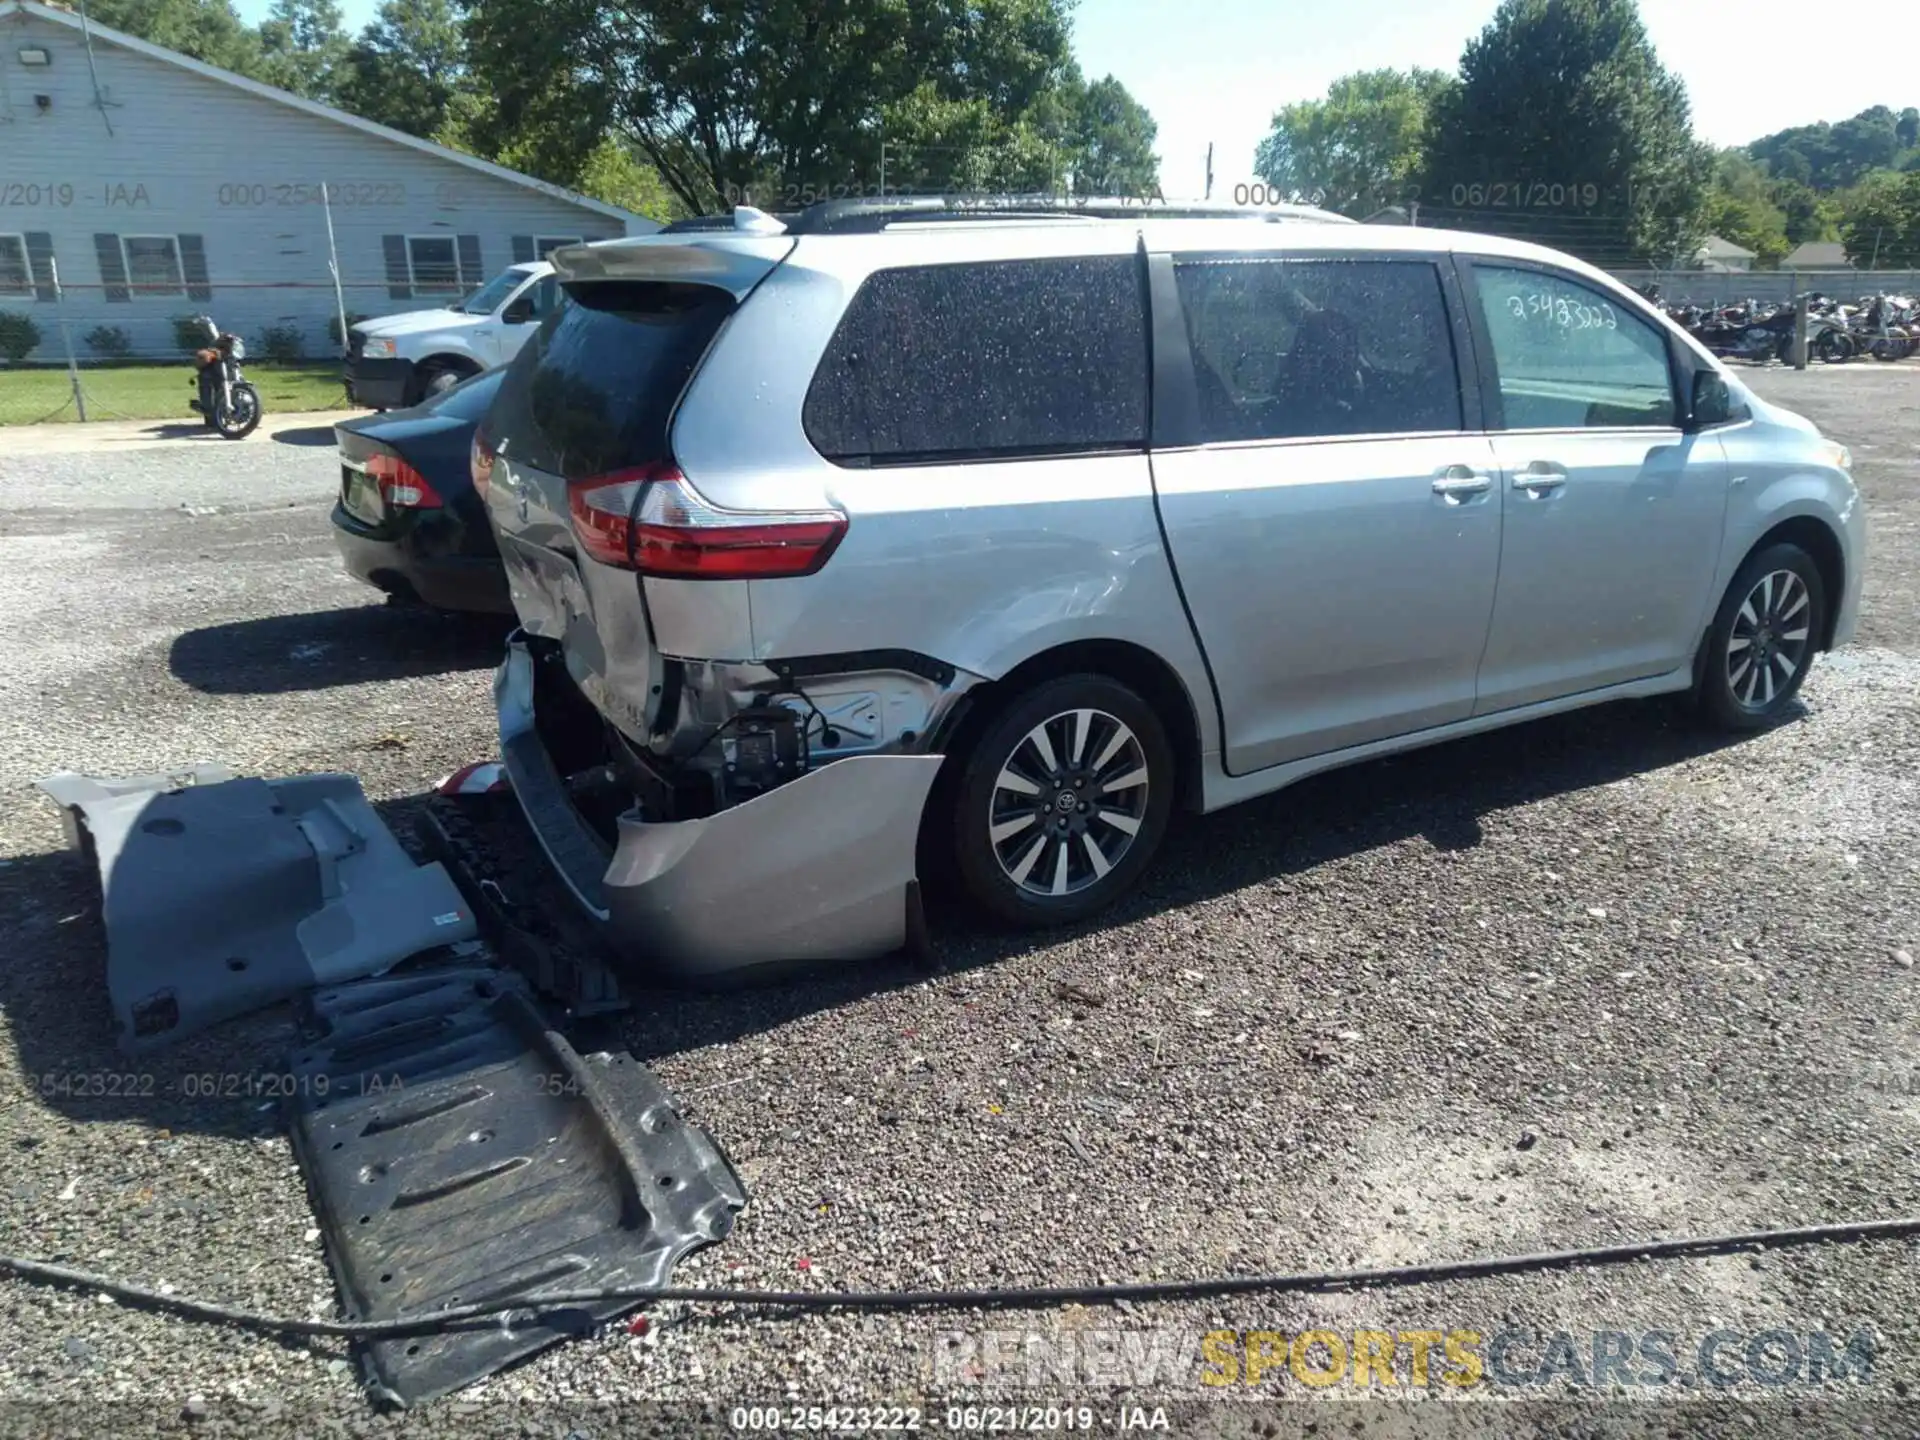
(1209, 191)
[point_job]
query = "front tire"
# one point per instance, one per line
(437, 382)
(1763, 639)
(242, 418)
(1062, 802)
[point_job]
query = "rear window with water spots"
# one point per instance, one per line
(995, 360)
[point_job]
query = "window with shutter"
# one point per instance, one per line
(40, 265)
(16, 277)
(113, 268)
(399, 272)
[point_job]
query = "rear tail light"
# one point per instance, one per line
(653, 521)
(402, 486)
(480, 460)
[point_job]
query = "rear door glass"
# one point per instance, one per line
(1000, 359)
(1285, 349)
(594, 389)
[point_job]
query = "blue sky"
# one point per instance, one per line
(1216, 70)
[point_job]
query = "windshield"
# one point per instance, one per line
(491, 295)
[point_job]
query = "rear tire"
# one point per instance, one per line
(1763, 639)
(1062, 802)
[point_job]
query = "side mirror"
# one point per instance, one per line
(1712, 400)
(518, 313)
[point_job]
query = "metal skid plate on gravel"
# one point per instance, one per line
(224, 894)
(458, 1150)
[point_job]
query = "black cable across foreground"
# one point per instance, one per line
(1031, 1298)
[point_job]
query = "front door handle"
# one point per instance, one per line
(1457, 482)
(1539, 477)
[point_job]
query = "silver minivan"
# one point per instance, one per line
(872, 543)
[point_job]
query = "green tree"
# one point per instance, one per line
(1361, 147)
(1805, 213)
(1881, 221)
(1740, 208)
(207, 30)
(1111, 142)
(304, 47)
(407, 66)
(1570, 93)
(788, 98)
(1832, 157)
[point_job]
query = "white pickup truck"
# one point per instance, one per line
(400, 360)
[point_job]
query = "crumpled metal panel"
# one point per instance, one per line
(225, 894)
(459, 1150)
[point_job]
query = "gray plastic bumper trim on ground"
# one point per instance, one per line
(820, 869)
(223, 894)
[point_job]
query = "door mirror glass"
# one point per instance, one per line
(518, 311)
(1712, 399)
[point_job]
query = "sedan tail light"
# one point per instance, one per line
(480, 460)
(653, 521)
(402, 486)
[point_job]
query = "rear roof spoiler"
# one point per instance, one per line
(734, 261)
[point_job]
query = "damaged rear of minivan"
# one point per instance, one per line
(759, 602)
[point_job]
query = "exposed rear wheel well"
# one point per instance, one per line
(1819, 542)
(1132, 665)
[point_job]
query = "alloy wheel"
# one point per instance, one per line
(1771, 639)
(1068, 802)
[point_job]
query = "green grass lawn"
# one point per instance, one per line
(157, 392)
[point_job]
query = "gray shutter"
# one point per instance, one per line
(113, 268)
(193, 267)
(469, 246)
(399, 277)
(40, 264)
(523, 249)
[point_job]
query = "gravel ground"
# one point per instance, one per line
(1590, 980)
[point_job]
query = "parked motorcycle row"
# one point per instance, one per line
(1882, 327)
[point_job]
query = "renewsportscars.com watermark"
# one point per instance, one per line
(1509, 1360)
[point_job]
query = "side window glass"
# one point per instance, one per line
(543, 295)
(1005, 358)
(1297, 348)
(1570, 357)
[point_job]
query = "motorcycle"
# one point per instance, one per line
(227, 402)
(1747, 332)
(1884, 328)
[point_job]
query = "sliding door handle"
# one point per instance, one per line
(1540, 476)
(1457, 482)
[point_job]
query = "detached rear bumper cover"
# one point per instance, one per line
(222, 894)
(820, 869)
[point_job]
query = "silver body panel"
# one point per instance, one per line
(1318, 601)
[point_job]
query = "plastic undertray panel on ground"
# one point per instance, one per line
(458, 1150)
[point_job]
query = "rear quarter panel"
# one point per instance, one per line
(982, 565)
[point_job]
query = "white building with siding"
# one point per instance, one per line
(156, 186)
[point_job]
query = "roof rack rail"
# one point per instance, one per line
(842, 217)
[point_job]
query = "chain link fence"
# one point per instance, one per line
(98, 352)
